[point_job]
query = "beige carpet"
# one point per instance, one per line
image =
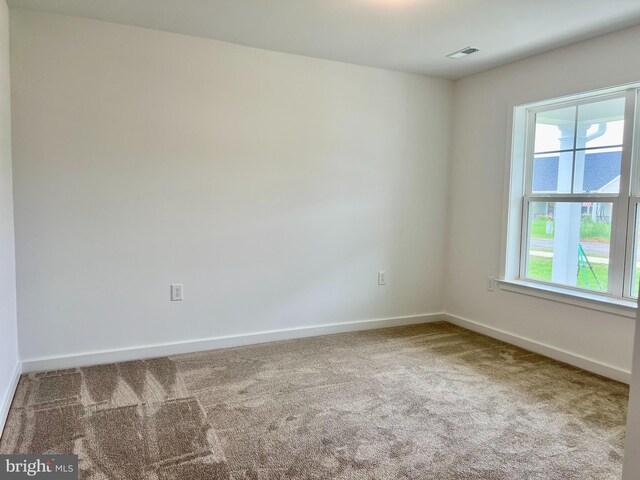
(431, 401)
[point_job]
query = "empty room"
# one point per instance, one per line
(319, 239)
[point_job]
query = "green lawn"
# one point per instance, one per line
(540, 269)
(589, 230)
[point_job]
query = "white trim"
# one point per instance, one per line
(514, 182)
(572, 296)
(161, 350)
(571, 197)
(618, 275)
(519, 164)
(8, 395)
(631, 252)
(550, 351)
(135, 353)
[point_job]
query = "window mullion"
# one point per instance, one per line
(573, 197)
(524, 239)
(575, 145)
(529, 152)
(631, 144)
(619, 272)
(630, 250)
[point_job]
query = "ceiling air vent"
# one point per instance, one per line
(462, 53)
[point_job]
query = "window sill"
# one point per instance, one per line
(616, 306)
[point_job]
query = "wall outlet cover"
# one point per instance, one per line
(176, 292)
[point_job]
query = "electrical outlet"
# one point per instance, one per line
(491, 284)
(382, 277)
(176, 292)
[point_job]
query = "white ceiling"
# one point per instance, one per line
(406, 35)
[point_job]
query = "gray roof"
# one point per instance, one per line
(599, 169)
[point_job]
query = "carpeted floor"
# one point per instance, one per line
(429, 401)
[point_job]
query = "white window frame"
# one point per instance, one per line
(618, 298)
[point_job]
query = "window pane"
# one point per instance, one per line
(552, 173)
(598, 171)
(555, 130)
(568, 243)
(601, 124)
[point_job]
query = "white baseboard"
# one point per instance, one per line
(8, 395)
(161, 350)
(585, 363)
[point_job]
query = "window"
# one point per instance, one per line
(573, 219)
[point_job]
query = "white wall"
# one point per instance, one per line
(273, 186)
(480, 158)
(8, 330)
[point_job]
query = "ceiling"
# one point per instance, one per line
(405, 35)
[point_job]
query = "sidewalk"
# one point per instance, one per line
(538, 253)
